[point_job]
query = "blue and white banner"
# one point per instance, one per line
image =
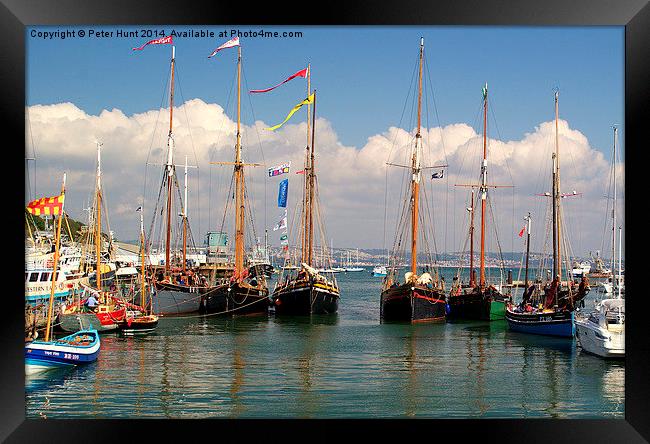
(282, 193)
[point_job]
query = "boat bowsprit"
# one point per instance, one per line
(81, 347)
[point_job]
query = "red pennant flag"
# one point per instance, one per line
(300, 172)
(521, 233)
(161, 41)
(301, 73)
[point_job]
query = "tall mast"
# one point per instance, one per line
(239, 181)
(312, 175)
(620, 260)
(185, 218)
(170, 163)
(57, 241)
(142, 264)
(415, 167)
(528, 220)
(483, 185)
(614, 206)
(305, 225)
(98, 222)
(556, 198)
(471, 241)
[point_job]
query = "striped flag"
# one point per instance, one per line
(229, 44)
(46, 206)
(301, 73)
(160, 41)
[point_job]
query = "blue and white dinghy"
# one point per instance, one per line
(81, 347)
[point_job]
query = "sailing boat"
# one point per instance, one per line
(418, 298)
(110, 311)
(143, 321)
(245, 292)
(307, 290)
(478, 301)
(550, 313)
(602, 332)
(83, 346)
(349, 267)
(177, 288)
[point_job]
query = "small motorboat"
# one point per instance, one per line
(81, 347)
(139, 324)
(602, 332)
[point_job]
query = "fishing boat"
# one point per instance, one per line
(245, 291)
(110, 310)
(379, 271)
(141, 320)
(308, 291)
(83, 346)
(177, 287)
(479, 300)
(419, 297)
(599, 270)
(549, 310)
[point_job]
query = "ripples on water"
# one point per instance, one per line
(346, 365)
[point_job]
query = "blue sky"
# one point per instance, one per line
(362, 74)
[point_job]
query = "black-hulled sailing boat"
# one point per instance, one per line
(246, 291)
(550, 310)
(420, 297)
(177, 289)
(306, 290)
(480, 300)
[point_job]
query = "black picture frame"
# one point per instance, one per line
(15, 15)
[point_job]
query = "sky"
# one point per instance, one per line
(80, 89)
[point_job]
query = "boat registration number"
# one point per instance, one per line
(71, 356)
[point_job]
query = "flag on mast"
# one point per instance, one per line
(521, 233)
(229, 44)
(301, 73)
(161, 41)
(282, 223)
(46, 206)
(308, 100)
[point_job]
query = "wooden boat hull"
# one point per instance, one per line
(305, 299)
(175, 300)
(139, 325)
(235, 299)
(489, 305)
(559, 323)
(81, 347)
(413, 303)
(102, 322)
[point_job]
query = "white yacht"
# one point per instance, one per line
(602, 332)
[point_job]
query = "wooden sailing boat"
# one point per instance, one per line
(420, 297)
(245, 292)
(79, 348)
(177, 289)
(307, 290)
(143, 321)
(550, 311)
(111, 310)
(479, 300)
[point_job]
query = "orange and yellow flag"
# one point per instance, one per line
(46, 206)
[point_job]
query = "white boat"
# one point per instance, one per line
(38, 283)
(379, 270)
(581, 268)
(602, 332)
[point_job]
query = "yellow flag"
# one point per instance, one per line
(308, 100)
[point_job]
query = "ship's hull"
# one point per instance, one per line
(305, 299)
(79, 348)
(102, 322)
(559, 323)
(477, 305)
(601, 341)
(139, 325)
(175, 300)
(235, 299)
(413, 303)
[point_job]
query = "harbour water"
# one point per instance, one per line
(347, 365)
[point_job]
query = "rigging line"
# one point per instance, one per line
(189, 130)
(259, 141)
(215, 146)
(391, 152)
